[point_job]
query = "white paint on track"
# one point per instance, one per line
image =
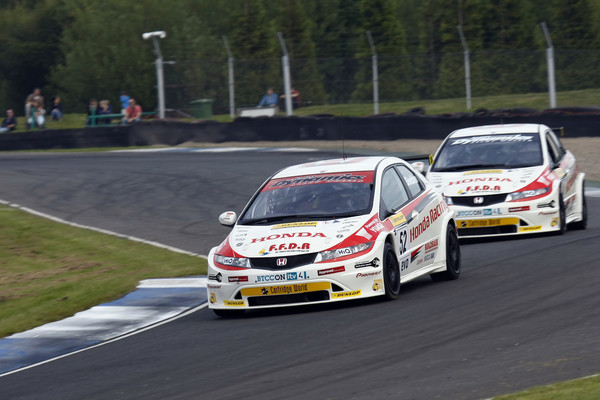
(217, 150)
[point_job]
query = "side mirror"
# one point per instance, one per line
(228, 218)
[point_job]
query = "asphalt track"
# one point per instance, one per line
(523, 313)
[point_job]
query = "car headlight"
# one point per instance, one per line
(240, 262)
(526, 194)
(343, 252)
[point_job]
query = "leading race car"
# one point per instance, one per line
(333, 230)
(509, 180)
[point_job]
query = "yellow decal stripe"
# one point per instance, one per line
(286, 289)
(530, 228)
(342, 295)
(476, 223)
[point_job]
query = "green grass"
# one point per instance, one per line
(539, 101)
(580, 389)
(51, 271)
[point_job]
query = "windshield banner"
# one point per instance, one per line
(343, 177)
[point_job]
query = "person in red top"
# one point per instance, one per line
(133, 113)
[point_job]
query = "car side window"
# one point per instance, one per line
(415, 185)
(393, 193)
(554, 147)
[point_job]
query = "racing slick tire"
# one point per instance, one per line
(582, 224)
(228, 313)
(391, 273)
(452, 271)
(562, 216)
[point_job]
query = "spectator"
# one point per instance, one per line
(133, 113)
(9, 123)
(91, 111)
(269, 100)
(32, 100)
(124, 99)
(295, 95)
(104, 109)
(37, 115)
(56, 111)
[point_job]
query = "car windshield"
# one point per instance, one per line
(325, 196)
(491, 151)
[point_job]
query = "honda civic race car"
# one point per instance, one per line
(509, 180)
(333, 230)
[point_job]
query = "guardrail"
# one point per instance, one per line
(98, 120)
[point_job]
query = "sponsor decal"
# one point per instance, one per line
(295, 225)
(288, 276)
(478, 189)
(429, 246)
(478, 213)
(415, 254)
(429, 257)
(289, 247)
(363, 233)
(530, 228)
(209, 286)
(374, 264)
(492, 139)
(263, 252)
(286, 289)
(288, 236)
(475, 180)
(368, 274)
(281, 262)
(212, 298)
(343, 295)
(428, 220)
(547, 212)
(235, 303)
(377, 285)
(554, 221)
(374, 226)
(218, 277)
(238, 279)
(329, 271)
(519, 209)
(345, 177)
(398, 219)
(477, 223)
(484, 171)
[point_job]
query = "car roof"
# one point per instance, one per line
(334, 166)
(497, 130)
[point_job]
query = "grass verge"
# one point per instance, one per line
(51, 271)
(579, 389)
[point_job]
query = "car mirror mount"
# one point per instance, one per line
(228, 218)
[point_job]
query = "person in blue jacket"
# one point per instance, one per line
(270, 99)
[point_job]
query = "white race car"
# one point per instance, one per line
(509, 180)
(333, 230)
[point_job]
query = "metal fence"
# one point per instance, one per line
(344, 80)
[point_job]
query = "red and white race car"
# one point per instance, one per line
(333, 230)
(509, 179)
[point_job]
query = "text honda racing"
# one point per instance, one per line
(333, 230)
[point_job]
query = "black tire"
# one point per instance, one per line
(453, 267)
(228, 313)
(391, 273)
(562, 216)
(584, 214)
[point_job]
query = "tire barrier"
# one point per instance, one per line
(577, 122)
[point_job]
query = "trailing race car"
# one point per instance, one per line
(330, 231)
(509, 180)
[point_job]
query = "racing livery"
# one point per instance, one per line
(333, 230)
(509, 180)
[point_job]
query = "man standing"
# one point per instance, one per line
(35, 99)
(133, 113)
(9, 123)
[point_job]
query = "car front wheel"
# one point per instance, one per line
(391, 273)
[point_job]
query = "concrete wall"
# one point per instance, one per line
(318, 127)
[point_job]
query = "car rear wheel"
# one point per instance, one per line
(582, 224)
(452, 257)
(391, 273)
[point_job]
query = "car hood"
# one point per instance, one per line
(296, 238)
(484, 182)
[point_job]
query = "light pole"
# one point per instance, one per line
(159, 68)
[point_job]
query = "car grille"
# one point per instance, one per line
(291, 261)
(307, 297)
(469, 201)
(488, 230)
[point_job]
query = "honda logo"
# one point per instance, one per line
(281, 262)
(477, 200)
